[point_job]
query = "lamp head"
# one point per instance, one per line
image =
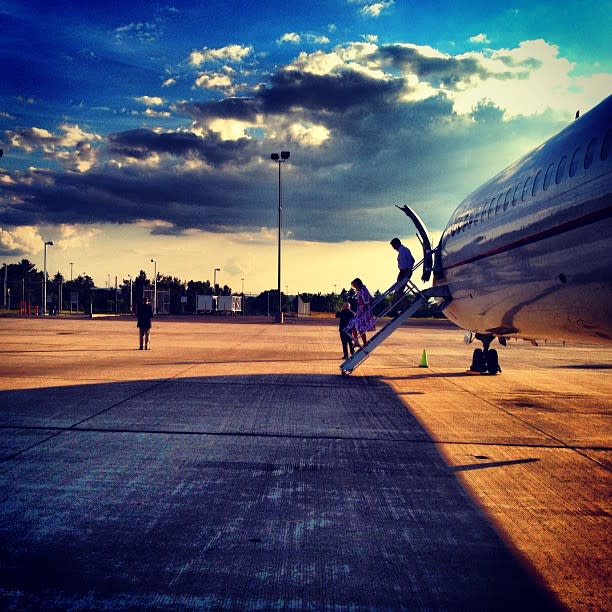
(274, 156)
(285, 154)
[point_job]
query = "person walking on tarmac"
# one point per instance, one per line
(145, 315)
(405, 263)
(345, 315)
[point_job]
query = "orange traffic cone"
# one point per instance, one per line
(424, 363)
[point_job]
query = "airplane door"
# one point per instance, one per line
(423, 235)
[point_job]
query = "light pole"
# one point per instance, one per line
(5, 282)
(242, 299)
(47, 243)
(71, 264)
(131, 303)
(23, 284)
(215, 279)
(154, 261)
(279, 159)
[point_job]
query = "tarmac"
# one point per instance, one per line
(231, 467)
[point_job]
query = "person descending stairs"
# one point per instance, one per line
(410, 290)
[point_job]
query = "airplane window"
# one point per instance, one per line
(507, 199)
(527, 188)
(561, 169)
(517, 193)
(499, 203)
(548, 176)
(536, 182)
(575, 161)
(605, 147)
(590, 154)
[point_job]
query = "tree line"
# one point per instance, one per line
(24, 286)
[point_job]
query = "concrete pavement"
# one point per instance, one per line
(231, 467)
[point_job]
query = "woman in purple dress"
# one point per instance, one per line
(364, 320)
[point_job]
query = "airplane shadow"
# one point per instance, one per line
(240, 492)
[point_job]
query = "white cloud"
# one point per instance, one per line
(149, 112)
(75, 237)
(74, 136)
(290, 37)
(479, 38)
(295, 38)
(169, 82)
(525, 80)
(150, 100)
(230, 129)
(309, 135)
(32, 138)
(375, 9)
(230, 53)
(23, 240)
(213, 80)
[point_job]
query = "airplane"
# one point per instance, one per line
(529, 253)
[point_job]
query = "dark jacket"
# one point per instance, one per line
(145, 314)
(345, 316)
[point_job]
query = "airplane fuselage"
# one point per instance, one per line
(529, 254)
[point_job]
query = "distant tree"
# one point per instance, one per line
(266, 303)
(23, 281)
(83, 285)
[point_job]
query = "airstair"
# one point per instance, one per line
(420, 298)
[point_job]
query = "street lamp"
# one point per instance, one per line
(5, 281)
(71, 264)
(154, 261)
(242, 298)
(44, 306)
(131, 303)
(279, 159)
(215, 279)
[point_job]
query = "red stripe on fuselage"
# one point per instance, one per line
(568, 226)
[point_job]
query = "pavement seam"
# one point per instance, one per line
(76, 426)
(179, 432)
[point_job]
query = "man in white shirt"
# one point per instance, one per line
(405, 263)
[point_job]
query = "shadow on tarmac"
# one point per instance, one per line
(240, 493)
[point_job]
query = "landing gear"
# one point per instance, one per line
(486, 360)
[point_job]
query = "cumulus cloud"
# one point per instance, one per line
(295, 38)
(368, 125)
(75, 237)
(229, 53)
(72, 148)
(150, 100)
(20, 241)
(214, 80)
(372, 9)
(290, 37)
(479, 39)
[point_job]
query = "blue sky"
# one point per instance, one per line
(138, 130)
